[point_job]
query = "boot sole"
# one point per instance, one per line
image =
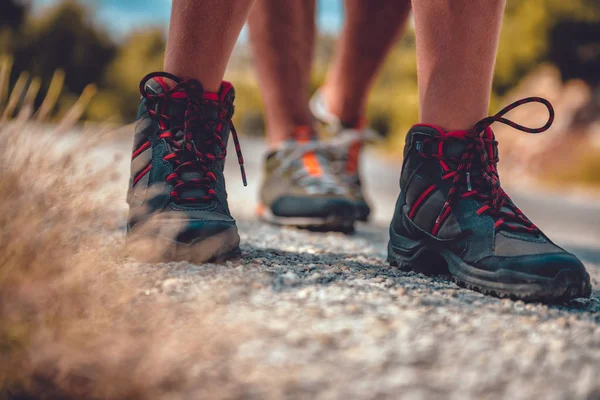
(332, 223)
(416, 256)
(218, 248)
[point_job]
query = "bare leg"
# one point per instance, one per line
(370, 29)
(201, 37)
(457, 42)
(282, 36)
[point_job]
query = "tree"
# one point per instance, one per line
(141, 52)
(13, 13)
(65, 38)
(11, 20)
(526, 31)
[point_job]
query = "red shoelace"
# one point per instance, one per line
(192, 145)
(485, 186)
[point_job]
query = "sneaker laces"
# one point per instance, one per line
(483, 182)
(291, 152)
(197, 132)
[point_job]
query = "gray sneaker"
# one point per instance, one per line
(300, 189)
(345, 147)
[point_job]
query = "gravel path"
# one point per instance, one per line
(328, 310)
(327, 318)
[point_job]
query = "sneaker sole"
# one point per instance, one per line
(415, 256)
(218, 248)
(333, 223)
(363, 211)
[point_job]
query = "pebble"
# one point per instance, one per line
(315, 276)
(172, 285)
(290, 278)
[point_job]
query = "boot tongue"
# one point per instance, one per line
(210, 116)
(455, 148)
(174, 107)
(157, 86)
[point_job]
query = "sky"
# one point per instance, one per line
(121, 16)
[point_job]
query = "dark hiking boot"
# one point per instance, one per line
(299, 189)
(453, 215)
(345, 147)
(177, 199)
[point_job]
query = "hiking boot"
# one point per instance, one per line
(177, 199)
(453, 215)
(345, 147)
(299, 189)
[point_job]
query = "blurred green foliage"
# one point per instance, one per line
(524, 44)
(526, 30)
(140, 53)
(66, 37)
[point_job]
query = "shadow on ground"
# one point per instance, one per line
(295, 269)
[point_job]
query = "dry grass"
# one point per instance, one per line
(74, 324)
(77, 320)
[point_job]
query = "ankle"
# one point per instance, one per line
(298, 134)
(452, 115)
(348, 109)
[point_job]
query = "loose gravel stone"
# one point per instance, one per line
(330, 309)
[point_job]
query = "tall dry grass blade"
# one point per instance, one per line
(54, 90)
(15, 96)
(76, 321)
(75, 113)
(26, 110)
(5, 68)
(104, 128)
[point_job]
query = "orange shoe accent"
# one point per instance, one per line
(353, 155)
(311, 163)
(303, 134)
(260, 210)
(354, 149)
(362, 123)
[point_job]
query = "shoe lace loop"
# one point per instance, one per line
(483, 181)
(192, 145)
